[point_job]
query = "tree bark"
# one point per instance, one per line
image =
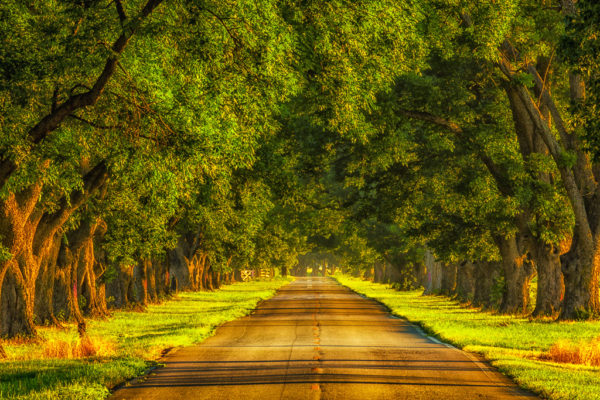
(378, 272)
(208, 279)
(90, 266)
(17, 309)
(237, 275)
(140, 282)
(215, 277)
(368, 273)
(434, 274)
(580, 267)
(465, 282)
(121, 288)
(517, 271)
(486, 273)
(550, 290)
(16, 233)
(449, 275)
(44, 291)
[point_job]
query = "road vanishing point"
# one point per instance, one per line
(316, 339)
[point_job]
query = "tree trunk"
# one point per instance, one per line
(486, 273)
(237, 275)
(179, 273)
(550, 290)
(44, 291)
(161, 278)
(517, 271)
(449, 272)
(393, 275)
(17, 310)
(140, 283)
(91, 266)
(216, 280)
(420, 274)
(208, 280)
(66, 278)
(16, 233)
(465, 282)
(580, 267)
(368, 274)
(434, 274)
(121, 288)
(388, 272)
(378, 272)
(151, 276)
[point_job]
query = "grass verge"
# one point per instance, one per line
(127, 344)
(516, 346)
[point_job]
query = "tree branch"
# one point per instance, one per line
(236, 40)
(94, 124)
(434, 119)
(50, 223)
(54, 99)
(582, 224)
(121, 12)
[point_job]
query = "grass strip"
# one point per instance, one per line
(511, 344)
(127, 344)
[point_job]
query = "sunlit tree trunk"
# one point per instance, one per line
(44, 291)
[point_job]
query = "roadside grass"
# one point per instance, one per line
(123, 346)
(518, 347)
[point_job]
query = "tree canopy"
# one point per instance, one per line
(148, 146)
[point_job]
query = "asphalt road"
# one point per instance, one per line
(318, 340)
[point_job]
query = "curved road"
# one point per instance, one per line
(318, 340)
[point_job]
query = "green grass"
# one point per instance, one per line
(513, 345)
(131, 342)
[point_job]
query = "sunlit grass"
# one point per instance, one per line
(61, 366)
(519, 347)
(565, 351)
